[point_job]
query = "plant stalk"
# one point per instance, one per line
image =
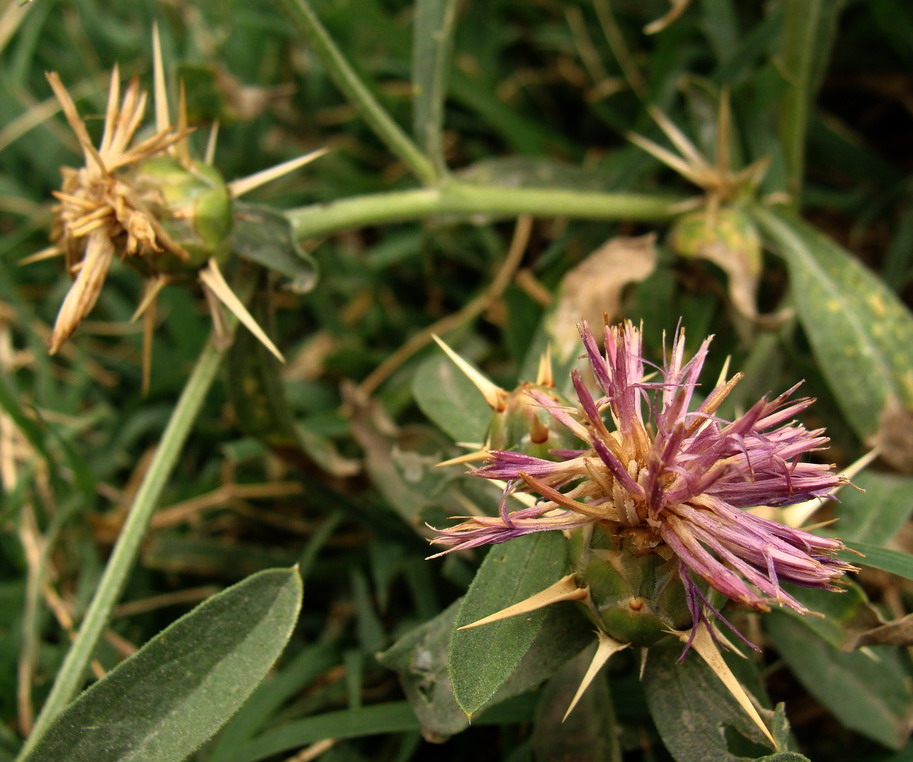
(464, 201)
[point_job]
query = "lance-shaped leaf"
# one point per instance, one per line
(867, 692)
(162, 703)
(431, 48)
(892, 561)
(860, 332)
(483, 658)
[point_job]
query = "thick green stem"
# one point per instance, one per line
(305, 20)
(471, 201)
(71, 674)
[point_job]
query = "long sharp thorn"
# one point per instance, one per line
(469, 457)
(153, 288)
(494, 395)
(244, 185)
(544, 376)
(210, 156)
(211, 277)
(606, 648)
(162, 117)
(111, 111)
(704, 645)
(565, 589)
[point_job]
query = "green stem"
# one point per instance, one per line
(71, 674)
(305, 20)
(468, 201)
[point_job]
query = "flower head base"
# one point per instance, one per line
(670, 481)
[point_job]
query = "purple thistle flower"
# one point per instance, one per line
(676, 480)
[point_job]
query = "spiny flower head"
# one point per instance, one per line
(147, 201)
(670, 480)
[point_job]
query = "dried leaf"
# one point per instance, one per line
(594, 287)
(894, 436)
(896, 633)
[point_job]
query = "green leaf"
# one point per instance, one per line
(431, 49)
(877, 557)
(393, 717)
(451, 400)
(860, 332)
(483, 658)
(294, 676)
(697, 718)
(166, 700)
(843, 616)
(809, 31)
(867, 692)
(264, 235)
(421, 659)
(380, 719)
(877, 514)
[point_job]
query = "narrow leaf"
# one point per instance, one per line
(877, 514)
(482, 659)
(431, 49)
(877, 557)
(860, 332)
(393, 717)
(867, 692)
(174, 693)
(810, 28)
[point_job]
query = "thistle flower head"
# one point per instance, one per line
(668, 477)
(147, 201)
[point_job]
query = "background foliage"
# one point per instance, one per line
(480, 153)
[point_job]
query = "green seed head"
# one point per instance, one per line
(636, 594)
(193, 206)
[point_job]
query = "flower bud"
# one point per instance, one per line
(520, 423)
